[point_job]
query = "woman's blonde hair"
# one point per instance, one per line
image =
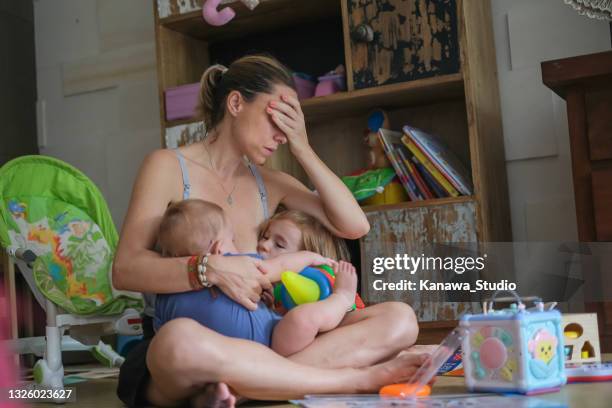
(315, 237)
(249, 75)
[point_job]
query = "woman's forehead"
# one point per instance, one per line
(281, 89)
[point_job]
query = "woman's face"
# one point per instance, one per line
(281, 236)
(257, 135)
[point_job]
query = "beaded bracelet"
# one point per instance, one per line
(192, 272)
(201, 271)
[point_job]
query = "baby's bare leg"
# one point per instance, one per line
(300, 325)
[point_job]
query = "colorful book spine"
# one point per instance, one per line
(423, 188)
(411, 182)
(395, 164)
(442, 158)
(436, 188)
(433, 170)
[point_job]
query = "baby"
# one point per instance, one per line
(290, 240)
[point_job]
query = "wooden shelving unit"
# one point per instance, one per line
(350, 103)
(462, 107)
(268, 16)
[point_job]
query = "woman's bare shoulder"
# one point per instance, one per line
(159, 162)
(274, 177)
(159, 169)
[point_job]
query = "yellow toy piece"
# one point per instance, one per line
(301, 289)
(393, 193)
(572, 334)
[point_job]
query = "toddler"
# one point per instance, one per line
(290, 240)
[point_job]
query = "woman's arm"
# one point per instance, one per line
(138, 267)
(334, 205)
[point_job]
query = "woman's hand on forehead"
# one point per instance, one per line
(287, 115)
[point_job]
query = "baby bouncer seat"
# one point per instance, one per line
(56, 226)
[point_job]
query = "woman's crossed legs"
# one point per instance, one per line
(185, 356)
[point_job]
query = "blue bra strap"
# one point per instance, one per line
(185, 173)
(262, 189)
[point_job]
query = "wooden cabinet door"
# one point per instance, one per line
(401, 40)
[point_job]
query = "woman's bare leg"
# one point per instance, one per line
(364, 337)
(184, 357)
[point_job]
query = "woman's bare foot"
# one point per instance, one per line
(400, 369)
(346, 281)
(214, 395)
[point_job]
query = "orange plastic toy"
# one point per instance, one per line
(404, 391)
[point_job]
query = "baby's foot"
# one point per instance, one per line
(345, 284)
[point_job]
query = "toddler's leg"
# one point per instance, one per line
(300, 325)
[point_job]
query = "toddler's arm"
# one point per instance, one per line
(295, 261)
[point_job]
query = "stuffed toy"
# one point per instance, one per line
(376, 157)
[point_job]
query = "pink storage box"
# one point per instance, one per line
(330, 84)
(305, 88)
(182, 101)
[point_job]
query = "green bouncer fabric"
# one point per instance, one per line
(54, 210)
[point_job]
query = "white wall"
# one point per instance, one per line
(96, 75)
(97, 89)
(536, 136)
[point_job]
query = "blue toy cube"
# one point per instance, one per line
(514, 350)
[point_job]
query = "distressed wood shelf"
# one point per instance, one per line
(342, 104)
(421, 91)
(268, 16)
(418, 204)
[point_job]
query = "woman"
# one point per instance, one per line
(250, 109)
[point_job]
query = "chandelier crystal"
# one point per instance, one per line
(599, 9)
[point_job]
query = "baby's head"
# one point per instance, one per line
(292, 231)
(194, 227)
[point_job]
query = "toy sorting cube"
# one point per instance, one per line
(514, 350)
(581, 338)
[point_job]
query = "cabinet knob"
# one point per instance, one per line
(363, 33)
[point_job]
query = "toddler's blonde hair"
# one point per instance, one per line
(315, 237)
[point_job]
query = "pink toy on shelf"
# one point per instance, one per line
(330, 84)
(305, 87)
(221, 17)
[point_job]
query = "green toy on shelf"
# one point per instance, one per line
(369, 183)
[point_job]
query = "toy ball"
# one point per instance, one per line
(310, 285)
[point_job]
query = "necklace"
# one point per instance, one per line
(229, 199)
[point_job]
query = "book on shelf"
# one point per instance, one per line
(429, 167)
(442, 158)
(431, 182)
(405, 155)
(389, 138)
